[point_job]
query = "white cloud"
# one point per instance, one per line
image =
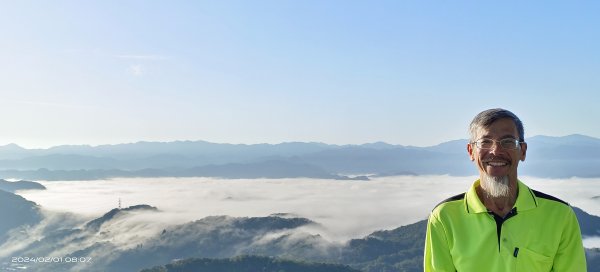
(41, 103)
(139, 69)
(591, 242)
(143, 57)
(136, 70)
(345, 209)
(23, 237)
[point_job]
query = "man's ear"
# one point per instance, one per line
(470, 150)
(523, 151)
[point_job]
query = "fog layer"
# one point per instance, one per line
(345, 209)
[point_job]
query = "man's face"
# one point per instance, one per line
(498, 161)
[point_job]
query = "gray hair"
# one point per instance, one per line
(487, 117)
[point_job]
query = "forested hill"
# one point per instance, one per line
(248, 264)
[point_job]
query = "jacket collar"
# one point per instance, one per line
(526, 200)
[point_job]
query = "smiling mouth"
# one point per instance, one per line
(496, 164)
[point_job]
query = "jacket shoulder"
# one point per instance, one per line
(539, 194)
(458, 197)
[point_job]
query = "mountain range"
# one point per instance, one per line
(550, 157)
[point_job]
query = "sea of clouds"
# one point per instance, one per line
(344, 209)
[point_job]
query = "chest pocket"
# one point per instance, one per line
(530, 261)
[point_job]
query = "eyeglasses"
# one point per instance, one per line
(508, 143)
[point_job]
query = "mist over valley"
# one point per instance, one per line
(316, 220)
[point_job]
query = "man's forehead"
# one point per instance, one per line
(501, 128)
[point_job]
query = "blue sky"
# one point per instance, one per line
(341, 72)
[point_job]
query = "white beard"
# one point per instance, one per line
(495, 187)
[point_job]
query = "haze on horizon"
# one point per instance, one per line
(338, 72)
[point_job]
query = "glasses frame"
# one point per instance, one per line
(517, 143)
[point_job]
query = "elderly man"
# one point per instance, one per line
(500, 224)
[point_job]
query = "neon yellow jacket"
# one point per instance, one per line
(541, 233)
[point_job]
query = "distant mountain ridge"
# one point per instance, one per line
(552, 157)
(12, 186)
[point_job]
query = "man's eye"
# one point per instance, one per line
(486, 142)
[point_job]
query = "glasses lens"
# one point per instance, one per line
(504, 143)
(485, 143)
(509, 143)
